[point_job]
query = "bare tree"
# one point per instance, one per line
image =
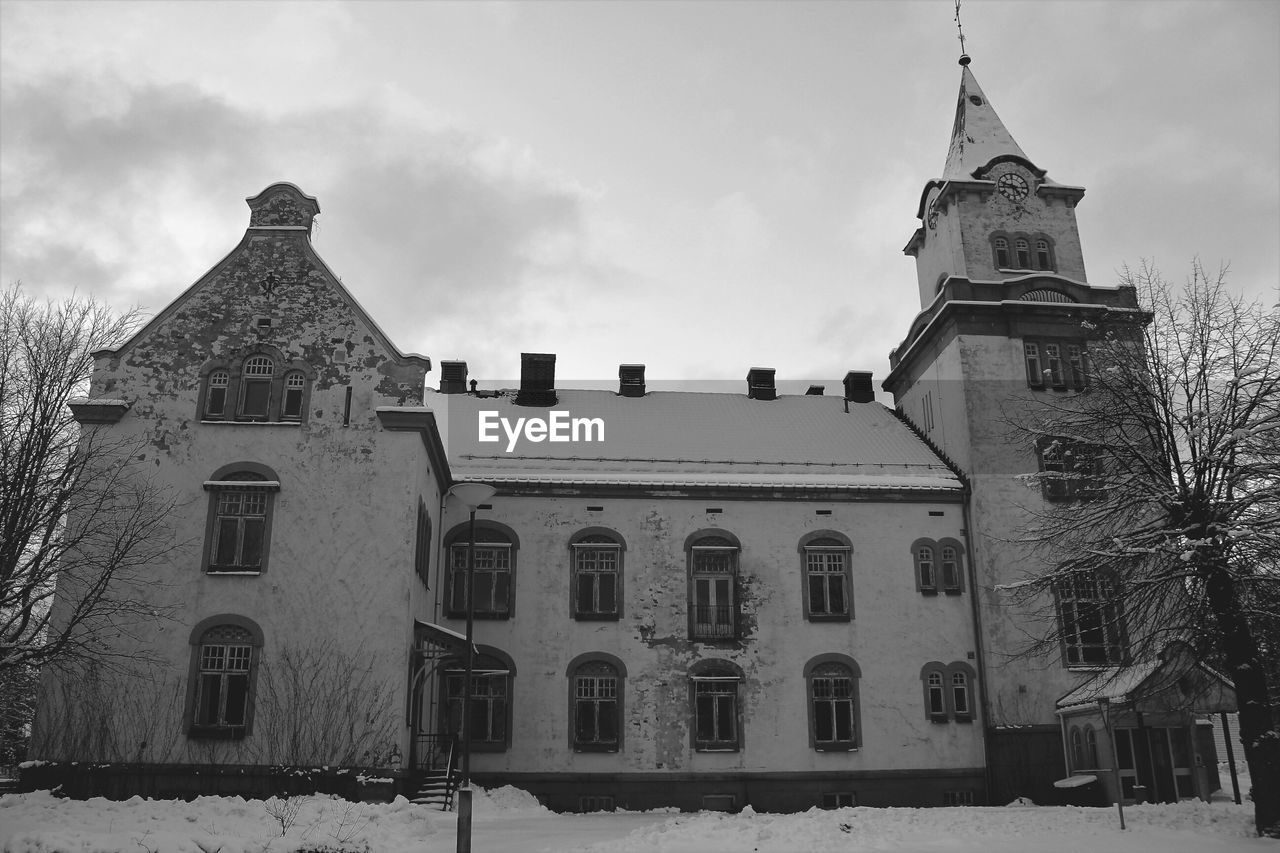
(79, 515)
(1163, 484)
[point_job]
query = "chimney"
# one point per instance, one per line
(631, 380)
(453, 377)
(760, 384)
(858, 387)
(816, 391)
(537, 379)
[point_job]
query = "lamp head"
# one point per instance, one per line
(471, 495)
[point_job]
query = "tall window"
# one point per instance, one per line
(1023, 250)
(490, 720)
(831, 692)
(950, 569)
(224, 662)
(713, 578)
(828, 590)
(948, 691)
(1044, 261)
(1002, 252)
(960, 694)
(1055, 364)
(715, 707)
(239, 518)
(494, 572)
(1090, 619)
(294, 385)
(255, 388)
(832, 681)
(597, 575)
(926, 576)
(596, 703)
(216, 397)
(422, 546)
(1069, 470)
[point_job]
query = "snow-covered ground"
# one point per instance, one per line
(511, 821)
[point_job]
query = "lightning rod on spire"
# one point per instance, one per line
(964, 57)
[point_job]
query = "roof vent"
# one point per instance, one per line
(453, 377)
(760, 384)
(537, 379)
(631, 380)
(816, 391)
(858, 387)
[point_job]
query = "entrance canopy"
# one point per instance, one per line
(1173, 682)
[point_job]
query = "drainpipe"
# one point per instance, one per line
(978, 650)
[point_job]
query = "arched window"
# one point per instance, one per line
(1044, 255)
(238, 533)
(224, 663)
(490, 720)
(948, 691)
(1077, 750)
(960, 694)
(597, 574)
(295, 384)
(936, 697)
(1023, 250)
(717, 724)
(215, 405)
(834, 719)
(596, 701)
(1001, 246)
(255, 388)
(926, 576)
(1091, 747)
(713, 586)
(950, 569)
(495, 569)
(828, 587)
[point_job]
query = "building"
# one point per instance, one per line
(702, 600)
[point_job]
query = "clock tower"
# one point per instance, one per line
(1005, 308)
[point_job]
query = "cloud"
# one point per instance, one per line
(132, 192)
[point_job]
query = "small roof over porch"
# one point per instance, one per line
(433, 640)
(1175, 681)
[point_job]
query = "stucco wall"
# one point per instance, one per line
(894, 632)
(339, 574)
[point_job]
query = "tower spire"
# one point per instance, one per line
(978, 136)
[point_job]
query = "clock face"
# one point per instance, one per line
(1013, 187)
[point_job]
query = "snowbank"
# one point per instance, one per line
(509, 820)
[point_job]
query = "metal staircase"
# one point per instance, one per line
(436, 784)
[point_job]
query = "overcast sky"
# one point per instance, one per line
(698, 186)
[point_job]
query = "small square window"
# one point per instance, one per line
(839, 800)
(718, 802)
(957, 798)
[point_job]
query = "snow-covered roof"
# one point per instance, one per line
(687, 439)
(1175, 676)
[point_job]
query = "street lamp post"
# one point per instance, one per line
(1104, 707)
(470, 495)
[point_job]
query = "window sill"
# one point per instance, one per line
(597, 749)
(488, 615)
(939, 718)
(717, 749)
(217, 732)
(830, 617)
(1092, 667)
(953, 591)
(835, 748)
(596, 617)
(233, 422)
(234, 573)
(927, 591)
